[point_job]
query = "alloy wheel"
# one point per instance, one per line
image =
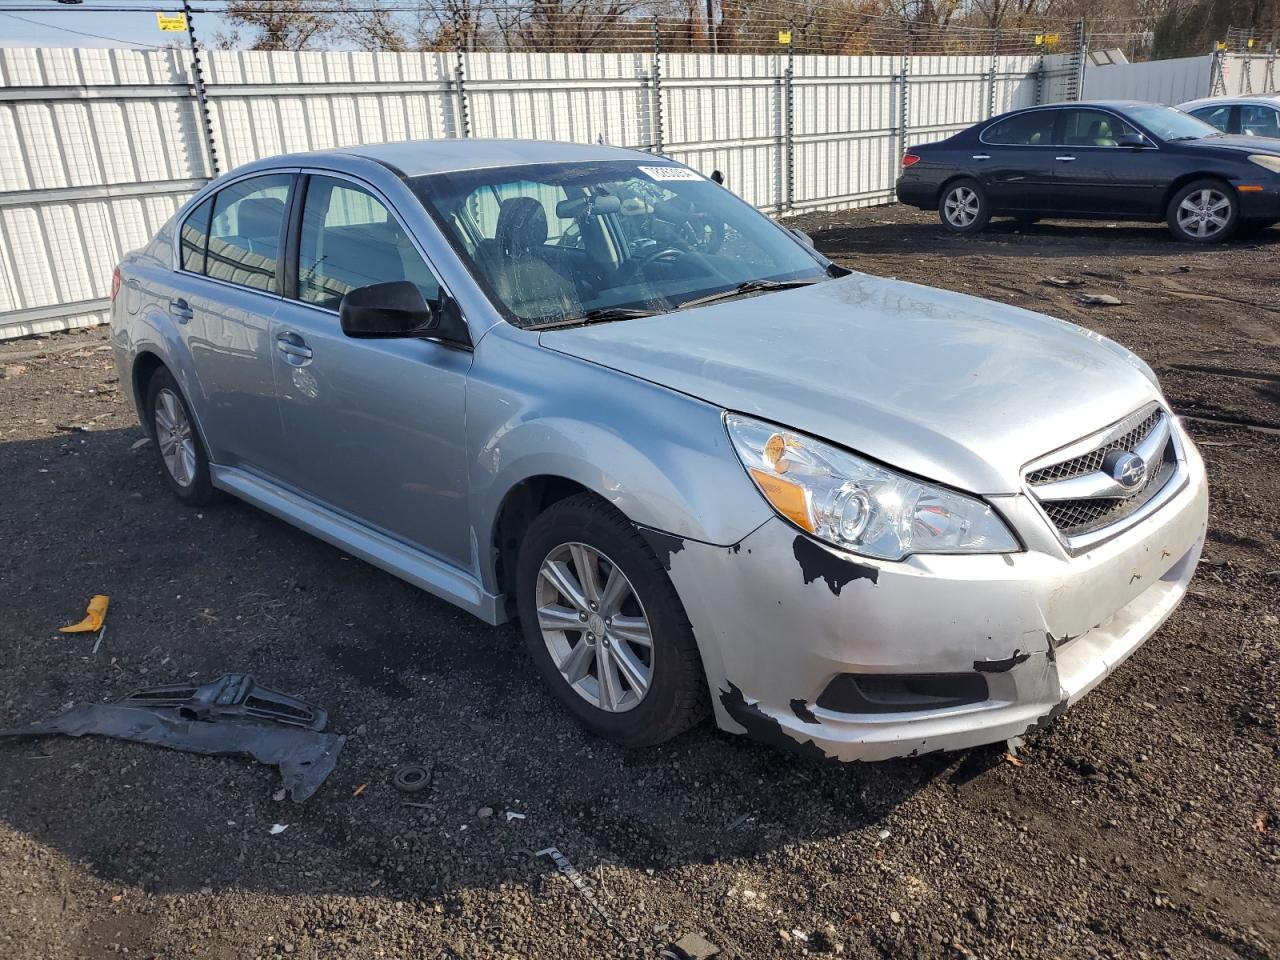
(594, 627)
(961, 206)
(1204, 213)
(174, 437)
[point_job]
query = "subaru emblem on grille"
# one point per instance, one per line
(1125, 468)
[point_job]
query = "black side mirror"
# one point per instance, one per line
(382, 311)
(1131, 140)
(717, 177)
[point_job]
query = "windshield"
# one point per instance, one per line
(577, 242)
(1170, 124)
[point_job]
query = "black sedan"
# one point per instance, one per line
(1118, 161)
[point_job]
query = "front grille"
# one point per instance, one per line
(1076, 517)
(1091, 461)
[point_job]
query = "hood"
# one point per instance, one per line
(945, 386)
(1238, 144)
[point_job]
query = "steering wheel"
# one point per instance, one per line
(636, 267)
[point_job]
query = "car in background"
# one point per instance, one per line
(1245, 116)
(1112, 160)
(706, 468)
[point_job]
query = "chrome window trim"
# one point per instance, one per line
(1055, 145)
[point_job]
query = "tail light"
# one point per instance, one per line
(910, 159)
(115, 283)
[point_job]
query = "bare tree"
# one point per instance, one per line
(280, 25)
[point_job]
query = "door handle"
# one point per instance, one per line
(294, 348)
(982, 156)
(1064, 159)
(180, 309)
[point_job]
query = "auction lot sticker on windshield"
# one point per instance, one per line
(671, 173)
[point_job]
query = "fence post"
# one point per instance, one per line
(202, 99)
(1082, 52)
(789, 121)
(460, 82)
(657, 88)
(904, 107)
(995, 60)
(1040, 79)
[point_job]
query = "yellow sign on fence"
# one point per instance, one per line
(171, 22)
(784, 36)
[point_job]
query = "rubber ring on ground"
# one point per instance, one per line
(412, 779)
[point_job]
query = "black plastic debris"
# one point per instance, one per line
(214, 718)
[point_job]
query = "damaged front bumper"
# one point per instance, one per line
(853, 659)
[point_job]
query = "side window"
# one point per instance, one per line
(350, 239)
(195, 237)
(1093, 128)
(1257, 120)
(244, 237)
(1031, 129)
(1214, 116)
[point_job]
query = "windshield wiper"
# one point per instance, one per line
(749, 286)
(598, 315)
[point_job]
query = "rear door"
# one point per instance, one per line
(1096, 176)
(1013, 159)
(227, 291)
(372, 428)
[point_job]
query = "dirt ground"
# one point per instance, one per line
(1144, 823)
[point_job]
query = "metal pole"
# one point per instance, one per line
(711, 26)
(202, 99)
(790, 120)
(995, 59)
(1082, 48)
(657, 87)
(460, 79)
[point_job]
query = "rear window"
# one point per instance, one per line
(1031, 129)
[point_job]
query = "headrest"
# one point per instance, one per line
(522, 225)
(260, 216)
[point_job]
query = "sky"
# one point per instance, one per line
(24, 23)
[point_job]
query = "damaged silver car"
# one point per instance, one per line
(705, 467)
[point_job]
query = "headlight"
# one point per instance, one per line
(1263, 160)
(858, 505)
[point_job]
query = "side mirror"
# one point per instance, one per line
(804, 238)
(717, 177)
(383, 311)
(1131, 140)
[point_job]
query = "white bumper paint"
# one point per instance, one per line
(1042, 626)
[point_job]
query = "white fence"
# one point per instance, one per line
(99, 147)
(1160, 81)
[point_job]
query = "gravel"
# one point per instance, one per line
(1142, 824)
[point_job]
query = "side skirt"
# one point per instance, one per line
(399, 559)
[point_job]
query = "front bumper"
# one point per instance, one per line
(779, 616)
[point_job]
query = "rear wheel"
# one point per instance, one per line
(605, 627)
(964, 207)
(182, 455)
(1205, 211)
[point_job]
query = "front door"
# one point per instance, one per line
(1097, 176)
(373, 428)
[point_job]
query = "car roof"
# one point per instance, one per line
(412, 158)
(1231, 101)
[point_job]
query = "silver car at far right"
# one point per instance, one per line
(709, 470)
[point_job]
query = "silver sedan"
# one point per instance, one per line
(707, 469)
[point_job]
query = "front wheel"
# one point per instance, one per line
(605, 627)
(1205, 211)
(964, 207)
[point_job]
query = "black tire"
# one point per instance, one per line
(963, 207)
(676, 698)
(1183, 223)
(198, 489)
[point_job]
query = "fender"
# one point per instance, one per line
(670, 468)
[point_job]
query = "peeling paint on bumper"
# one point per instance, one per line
(1041, 626)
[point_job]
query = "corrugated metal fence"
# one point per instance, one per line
(99, 147)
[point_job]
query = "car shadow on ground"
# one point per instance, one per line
(913, 232)
(409, 678)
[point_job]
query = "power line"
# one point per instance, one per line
(84, 33)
